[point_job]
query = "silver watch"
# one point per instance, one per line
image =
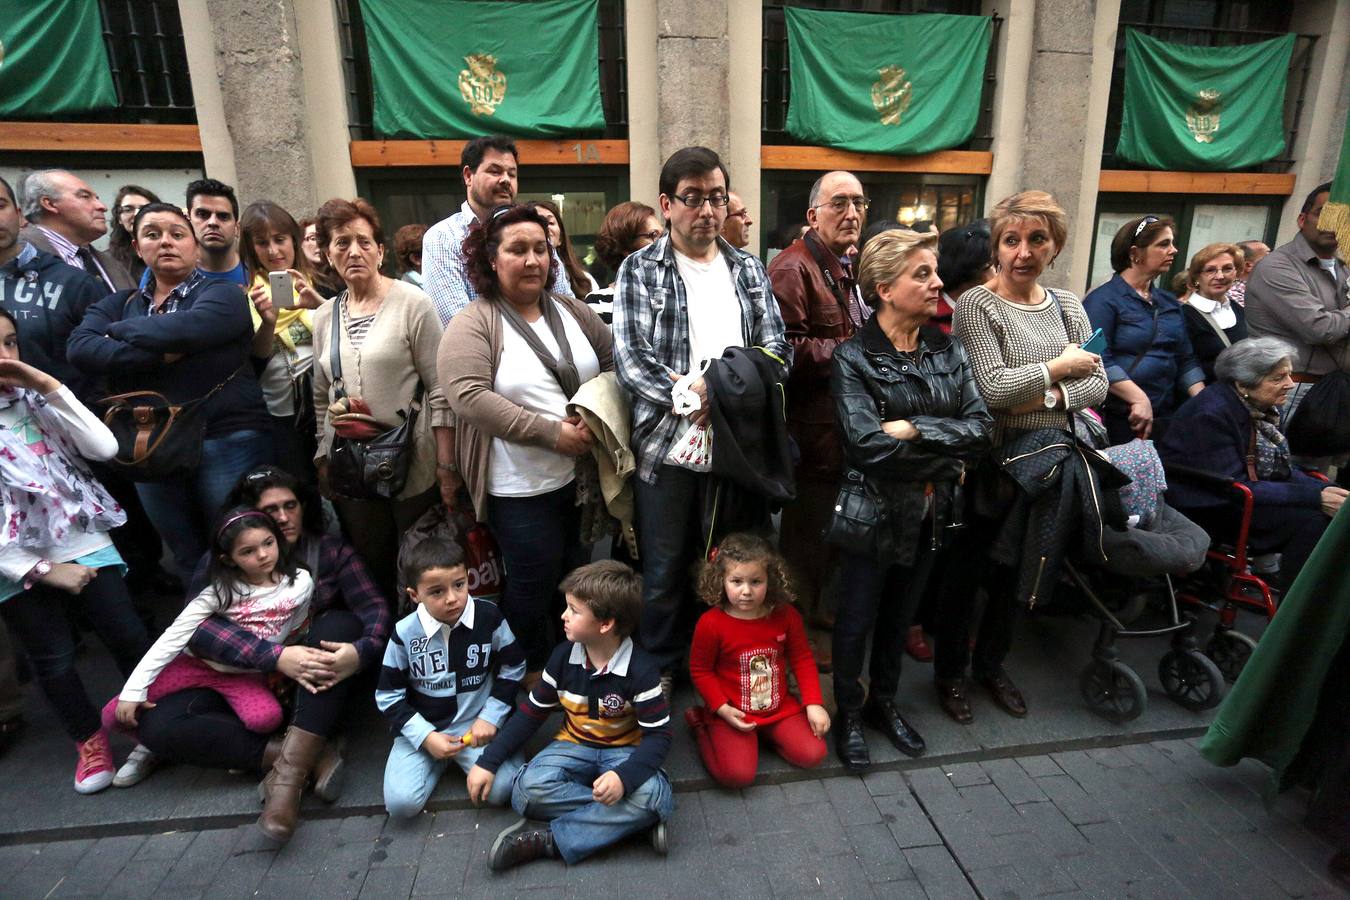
(1051, 401)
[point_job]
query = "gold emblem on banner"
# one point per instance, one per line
(1202, 116)
(481, 85)
(891, 94)
(2, 54)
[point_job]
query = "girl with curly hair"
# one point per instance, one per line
(739, 662)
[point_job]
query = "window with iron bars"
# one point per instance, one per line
(776, 84)
(1210, 23)
(360, 94)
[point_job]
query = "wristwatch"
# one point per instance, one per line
(1051, 401)
(37, 573)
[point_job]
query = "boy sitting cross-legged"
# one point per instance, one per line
(449, 679)
(600, 780)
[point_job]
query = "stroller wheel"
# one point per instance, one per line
(1230, 651)
(1112, 690)
(1191, 679)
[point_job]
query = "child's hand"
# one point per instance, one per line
(608, 788)
(479, 781)
(127, 709)
(734, 717)
(441, 746)
(819, 719)
(482, 731)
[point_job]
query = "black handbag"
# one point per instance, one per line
(377, 468)
(857, 518)
(1321, 423)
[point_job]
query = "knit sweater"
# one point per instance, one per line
(1009, 345)
(744, 662)
(398, 350)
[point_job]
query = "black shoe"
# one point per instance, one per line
(850, 742)
(521, 843)
(1005, 693)
(884, 717)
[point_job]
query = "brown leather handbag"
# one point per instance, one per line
(157, 439)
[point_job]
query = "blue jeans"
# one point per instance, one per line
(556, 787)
(183, 511)
(540, 542)
(411, 774)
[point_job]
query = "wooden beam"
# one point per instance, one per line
(1133, 182)
(824, 159)
(100, 138)
(568, 152)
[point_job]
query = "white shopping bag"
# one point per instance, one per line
(693, 449)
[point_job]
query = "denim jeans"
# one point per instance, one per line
(183, 511)
(556, 787)
(669, 514)
(540, 540)
(42, 621)
(411, 774)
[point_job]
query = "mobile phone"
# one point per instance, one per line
(283, 289)
(1096, 343)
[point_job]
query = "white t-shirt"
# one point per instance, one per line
(714, 311)
(520, 470)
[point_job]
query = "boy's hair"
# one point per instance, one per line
(433, 553)
(744, 548)
(610, 590)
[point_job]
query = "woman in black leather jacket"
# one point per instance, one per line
(912, 421)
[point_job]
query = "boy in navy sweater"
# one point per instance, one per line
(449, 679)
(600, 780)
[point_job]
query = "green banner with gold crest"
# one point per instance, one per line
(458, 68)
(897, 84)
(1203, 109)
(52, 59)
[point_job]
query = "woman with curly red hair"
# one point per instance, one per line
(739, 662)
(510, 361)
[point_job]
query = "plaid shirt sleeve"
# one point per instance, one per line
(361, 595)
(443, 276)
(223, 641)
(635, 325)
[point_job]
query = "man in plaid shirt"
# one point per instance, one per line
(679, 302)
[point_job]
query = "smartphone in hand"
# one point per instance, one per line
(283, 289)
(1095, 344)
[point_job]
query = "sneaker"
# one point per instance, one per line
(521, 843)
(659, 839)
(94, 771)
(667, 685)
(137, 768)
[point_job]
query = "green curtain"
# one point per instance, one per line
(1336, 214)
(885, 83)
(1205, 109)
(458, 69)
(52, 59)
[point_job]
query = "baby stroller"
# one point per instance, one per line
(1168, 544)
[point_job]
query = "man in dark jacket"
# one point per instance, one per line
(817, 293)
(65, 217)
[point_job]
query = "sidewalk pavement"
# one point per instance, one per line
(37, 802)
(1140, 820)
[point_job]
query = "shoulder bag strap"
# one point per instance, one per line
(841, 295)
(335, 348)
(1064, 317)
(1129, 373)
(1251, 454)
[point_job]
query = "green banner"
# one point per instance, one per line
(458, 69)
(1336, 214)
(52, 59)
(1203, 109)
(894, 84)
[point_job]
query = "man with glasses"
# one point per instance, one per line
(65, 217)
(679, 302)
(817, 293)
(736, 229)
(489, 166)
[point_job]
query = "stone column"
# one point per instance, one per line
(199, 43)
(1017, 43)
(745, 70)
(692, 56)
(1066, 122)
(325, 101)
(644, 97)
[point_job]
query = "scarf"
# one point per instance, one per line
(295, 325)
(1272, 448)
(564, 369)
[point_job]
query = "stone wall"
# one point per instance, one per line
(692, 52)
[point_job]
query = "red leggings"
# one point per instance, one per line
(732, 756)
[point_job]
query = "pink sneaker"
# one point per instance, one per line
(94, 771)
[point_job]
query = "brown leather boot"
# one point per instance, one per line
(328, 770)
(286, 782)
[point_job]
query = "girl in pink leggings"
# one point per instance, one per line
(256, 584)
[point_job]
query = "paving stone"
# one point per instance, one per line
(875, 848)
(966, 774)
(200, 861)
(767, 806)
(1110, 757)
(909, 825)
(99, 866)
(1000, 882)
(1160, 767)
(852, 801)
(936, 791)
(285, 887)
(389, 883)
(164, 846)
(360, 829)
(304, 853)
(992, 809)
(938, 873)
(1183, 855)
(799, 792)
(402, 841)
(1070, 798)
(1039, 766)
(140, 878)
(1057, 833)
(1290, 875)
(1013, 781)
(1119, 861)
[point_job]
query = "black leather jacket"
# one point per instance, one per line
(873, 383)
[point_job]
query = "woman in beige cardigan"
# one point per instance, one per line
(389, 336)
(509, 363)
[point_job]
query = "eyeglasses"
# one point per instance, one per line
(696, 201)
(129, 210)
(739, 214)
(1144, 223)
(1225, 270)
(652, 235)
(839, 204)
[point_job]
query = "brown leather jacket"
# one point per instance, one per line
(815, 322)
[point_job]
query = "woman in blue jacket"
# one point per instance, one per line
(1232, 430)
(185, 337)
(1148, 355)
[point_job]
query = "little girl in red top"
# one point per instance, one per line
(739, 662)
